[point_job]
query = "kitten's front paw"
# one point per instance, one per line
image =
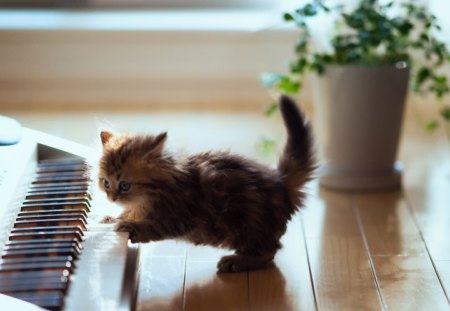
(108, 220)
(132, 228)
(127, 226)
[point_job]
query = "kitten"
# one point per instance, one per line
(213, 198)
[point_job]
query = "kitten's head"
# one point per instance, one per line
(131, 166)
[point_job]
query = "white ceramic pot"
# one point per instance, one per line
(359, 114)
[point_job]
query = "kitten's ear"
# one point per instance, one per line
(157, 145)
(105, 137)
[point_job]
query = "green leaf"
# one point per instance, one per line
(301, 45)
(287, 85)
(299, 66)
(423, 74)
(281, 82)
(267, 145)
(288, 17)
(269, 79)
(271, 109)
(445, 113)
(431, 126)
(308, 10)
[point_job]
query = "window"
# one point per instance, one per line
(154, 4)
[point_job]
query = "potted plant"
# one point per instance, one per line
(376, 50)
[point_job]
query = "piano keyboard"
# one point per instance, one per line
(54, 253)
(47, 236)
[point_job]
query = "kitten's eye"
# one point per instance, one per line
(106, 184)
(124, 186)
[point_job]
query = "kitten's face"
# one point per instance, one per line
(129, 166)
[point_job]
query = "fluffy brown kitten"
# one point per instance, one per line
(213, 198)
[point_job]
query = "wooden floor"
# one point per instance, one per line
(344, 251)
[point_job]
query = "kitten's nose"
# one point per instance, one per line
(114, 197)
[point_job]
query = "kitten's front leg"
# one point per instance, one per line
(146, 230)
(140, 231)
(134, 230)
(112, 220)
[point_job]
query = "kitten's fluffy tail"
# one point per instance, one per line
(296, 164)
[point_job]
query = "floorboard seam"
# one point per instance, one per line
(416, 223)
(316, 305)
(369, 255)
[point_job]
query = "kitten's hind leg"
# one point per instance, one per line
(242, 262)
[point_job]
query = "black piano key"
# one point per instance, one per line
(55, 252)
(59, 234)
(51, 222)
(61, 179)
(22, 260)
(58, 176)
(41, 246)
(57, 206)
(41, 242)
(50, 218)
(50, 300)
(74, 211)
(59, 185)
(61, 173)
(63, 168)
(59, 194)
(40, 266)
(62, 200)
(9, 276)
(48, 228)
(62, 162)
(26, 286)
(56, 189)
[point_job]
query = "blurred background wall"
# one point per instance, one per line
(152, 54)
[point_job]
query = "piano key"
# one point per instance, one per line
(41, 246)
(52, 179)
(52, 212)
(26, 286)
(56, 200)
(14, 261)
(44, 266)
(41, 242)
(46, 235)
(58, 194)
(47, 188)
(54, 189)
(61, 168)
(50, 206)
(62, 162)
(55, 252)
(86, 183)
(50, 218)
(50, 222)
(50, 300)
(48, 228)
(61, 172)
(29, 275)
